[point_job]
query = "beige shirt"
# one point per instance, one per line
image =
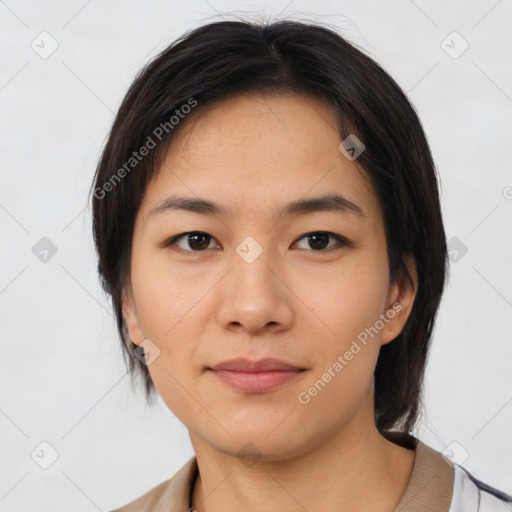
(435, 485)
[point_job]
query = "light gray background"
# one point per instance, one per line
(63, 377)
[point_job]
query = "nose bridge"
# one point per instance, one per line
(253, 261)
(254, 295)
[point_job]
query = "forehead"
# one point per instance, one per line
(257, 153)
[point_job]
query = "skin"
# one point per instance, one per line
(252, 154)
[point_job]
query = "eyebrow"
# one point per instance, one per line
(326, 203)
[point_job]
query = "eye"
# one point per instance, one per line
(198, 241)
(319, 240)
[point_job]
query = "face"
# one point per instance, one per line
(244, 276)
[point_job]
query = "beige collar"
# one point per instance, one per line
(430, 487)
(431, 484)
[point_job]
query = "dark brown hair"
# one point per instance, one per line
(222, 59)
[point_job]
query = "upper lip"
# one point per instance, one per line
(246, 365)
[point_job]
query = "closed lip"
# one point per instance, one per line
(263, 365)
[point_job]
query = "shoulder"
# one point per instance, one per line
(172, 494)
(148, 501)
(472, 495)
(439, 483)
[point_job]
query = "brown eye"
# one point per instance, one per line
(198, 241)
(319, 241)
(193, 241)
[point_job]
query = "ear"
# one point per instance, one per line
(400, 301)
(131, 317)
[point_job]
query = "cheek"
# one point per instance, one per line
(347, 355)
(169, 313)
(353, 300)
(352, 304)
(168, 297)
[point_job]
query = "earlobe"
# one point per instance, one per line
(131, 318)
(401, 301)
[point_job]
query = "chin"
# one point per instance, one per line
(263, 439)
(252, 447)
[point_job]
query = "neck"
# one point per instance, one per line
(356, 470)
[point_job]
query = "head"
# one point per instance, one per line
(217, 239)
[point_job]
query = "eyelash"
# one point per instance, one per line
(341, 241)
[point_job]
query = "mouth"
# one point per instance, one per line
(256, 376)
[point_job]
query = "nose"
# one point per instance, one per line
(255, 297)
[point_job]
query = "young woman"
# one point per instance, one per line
(267, 221)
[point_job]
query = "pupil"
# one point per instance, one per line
(316, 243)
(203, 245)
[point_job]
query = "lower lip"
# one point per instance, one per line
(256, 382)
